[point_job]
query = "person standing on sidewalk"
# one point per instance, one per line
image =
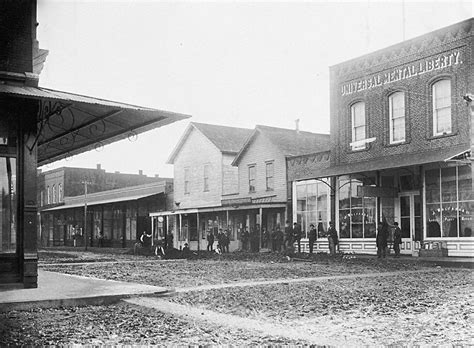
(332, 238)
(297, 235)
(288, 235)
(312, 236)
(397, 239)
(210, 241)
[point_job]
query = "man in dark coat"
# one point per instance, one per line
(297, 235)
(210, 240)
(312, 236)
(333, 239)
(288, 235)
(397, 239)
(382, 239)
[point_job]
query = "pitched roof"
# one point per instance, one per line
(226, 139)
(290, 142)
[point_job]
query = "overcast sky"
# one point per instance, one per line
(229, 63)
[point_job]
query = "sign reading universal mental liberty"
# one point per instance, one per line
(417, 68)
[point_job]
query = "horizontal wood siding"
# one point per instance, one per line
(194, 154)
(230, 173)
(259, 152)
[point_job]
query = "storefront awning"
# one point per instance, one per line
(112, 196)
(69, 124)
(395, 161)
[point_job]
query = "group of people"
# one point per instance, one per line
(223, 241)
(383, 237)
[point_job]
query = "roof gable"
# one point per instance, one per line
(225, 139)
(289, 142)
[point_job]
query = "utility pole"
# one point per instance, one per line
(85, 182)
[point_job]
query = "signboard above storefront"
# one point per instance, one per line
(404, 72)
(374, 191)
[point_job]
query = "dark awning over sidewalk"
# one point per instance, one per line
(69, 124)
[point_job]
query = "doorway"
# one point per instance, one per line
(409, 212)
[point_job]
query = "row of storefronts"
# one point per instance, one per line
(400, 150)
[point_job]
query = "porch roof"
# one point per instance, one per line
(112, 196)
(69, 124)
(395, 161)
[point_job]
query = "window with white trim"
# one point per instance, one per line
(358, 124)
(442, 107)
(48, 195)
(396, 103)
(54, 193)
(269, 172)
(60, 193)
(252, 178)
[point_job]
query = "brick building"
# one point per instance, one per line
(401, 138)
(115, 197)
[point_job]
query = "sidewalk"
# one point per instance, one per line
(57, 289)
(448, 261)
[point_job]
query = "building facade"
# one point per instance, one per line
(116, 218)
(234, 180)
(401, 137)
(203, 173)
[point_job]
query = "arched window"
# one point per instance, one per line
(358, 125)
(442, 107)
(60, 192)
(396, 103)
(48, 195)
(54, 193)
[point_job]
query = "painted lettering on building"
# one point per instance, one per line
(405, 72)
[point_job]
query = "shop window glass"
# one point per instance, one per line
(432, 184)
(465, 183)
(357, 215)
(448, 184)
(451, 215)
(397, 117)
(312, 206)
(466, 219)
(358, 124)
(442, 107)
(8, 205)
(107, 221)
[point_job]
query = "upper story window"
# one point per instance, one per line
(442, 107)
(397, 117)
(186, 181)
(358, 124)
(60, 192)
(48, 195)
(207, 169)
(41, 198)
(269, 175)
(252, 177)
(54, 193)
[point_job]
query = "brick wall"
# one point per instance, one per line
(197, 151)
(259, 152)
(454, 43)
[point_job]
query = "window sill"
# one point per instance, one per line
(397, 143)
(440, 136)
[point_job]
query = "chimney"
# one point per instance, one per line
(297, 125)
(140, 172)
(99, 166)
(157, 175)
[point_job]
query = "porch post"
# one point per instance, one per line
(197, 232)
(27, 242)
